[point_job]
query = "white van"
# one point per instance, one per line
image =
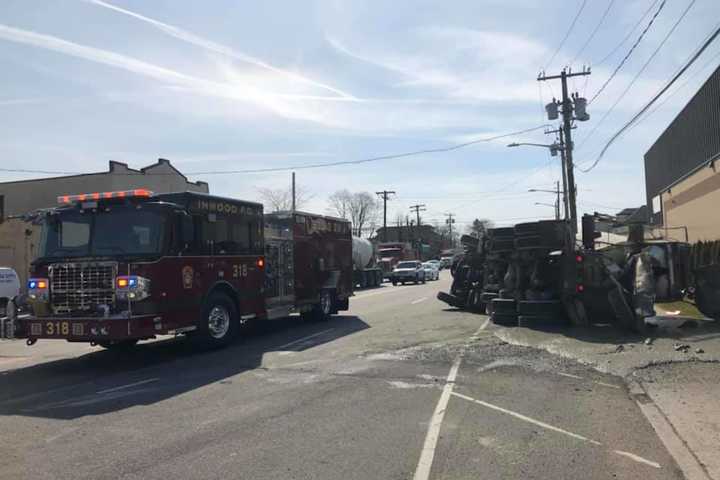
(9, 287)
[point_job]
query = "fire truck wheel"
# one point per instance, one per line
(219, 323)
(321, 311)
(119, 345)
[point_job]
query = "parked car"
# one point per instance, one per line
(437, 263)
(431, 271)
(446, 261)
(409, 271)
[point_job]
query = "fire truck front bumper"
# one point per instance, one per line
(93, 329)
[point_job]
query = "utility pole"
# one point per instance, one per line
(449, 221)
(417, 238)
(385, 195)
(561, 144)
(569, 104)
(557, 201)
(417, 209)
(293, 191)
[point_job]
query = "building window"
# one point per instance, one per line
(656, 205)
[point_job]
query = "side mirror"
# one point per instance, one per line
(187, 231)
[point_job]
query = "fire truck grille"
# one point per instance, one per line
(81, 287)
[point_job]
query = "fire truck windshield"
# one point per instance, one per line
(122, 231)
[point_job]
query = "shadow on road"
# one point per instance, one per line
(104, 381)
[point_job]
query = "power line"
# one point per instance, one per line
(567, 34)
(627, 55)
(311, 165)
(594, 32)
(699, 52)
(627, 36)
(637, 75)
(711, 61)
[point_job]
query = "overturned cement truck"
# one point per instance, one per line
(536, 274)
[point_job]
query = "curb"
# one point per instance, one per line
(686, 460)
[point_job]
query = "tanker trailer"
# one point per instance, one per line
(366, 273)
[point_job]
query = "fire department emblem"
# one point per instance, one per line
(187, 276)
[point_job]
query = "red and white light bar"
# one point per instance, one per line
(85, 197)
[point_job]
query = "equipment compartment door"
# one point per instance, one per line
(279, 270)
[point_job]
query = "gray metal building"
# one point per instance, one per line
(681, 179)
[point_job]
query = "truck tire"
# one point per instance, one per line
(505, 306)
(505, 319)
(503, 232)
(500, 245)
(321, 311)
(540, 307)
(532, 321)
(487, 297)
(119, 345)
(525, 229)
(219, 323)
(528, 243)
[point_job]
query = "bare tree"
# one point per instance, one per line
(361, 208)
(340, 203)
(280, 199)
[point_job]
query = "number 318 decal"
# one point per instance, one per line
(240, 271)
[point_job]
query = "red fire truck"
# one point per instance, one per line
(117, 267)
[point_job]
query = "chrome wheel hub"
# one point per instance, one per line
(218, 322)
(325, 303)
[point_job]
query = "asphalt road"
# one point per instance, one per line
(400, 387)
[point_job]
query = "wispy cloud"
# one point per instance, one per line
(457, 62)
(209, 45)
(21, 101)
(286, 105)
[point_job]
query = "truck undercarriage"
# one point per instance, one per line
(535, 275)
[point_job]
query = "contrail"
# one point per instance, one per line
(275, 102)
(218, 48)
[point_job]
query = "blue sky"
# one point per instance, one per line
(226, 85)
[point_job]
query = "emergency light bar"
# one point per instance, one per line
(83, 197)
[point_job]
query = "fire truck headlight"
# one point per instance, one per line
(132, 287)
(38, 289)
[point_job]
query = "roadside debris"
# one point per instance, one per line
(699, 350)
(681, 347)
(620, 348)
(648, 341)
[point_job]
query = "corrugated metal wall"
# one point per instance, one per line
(692, 139)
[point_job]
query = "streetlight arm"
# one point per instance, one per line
(553, 145)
